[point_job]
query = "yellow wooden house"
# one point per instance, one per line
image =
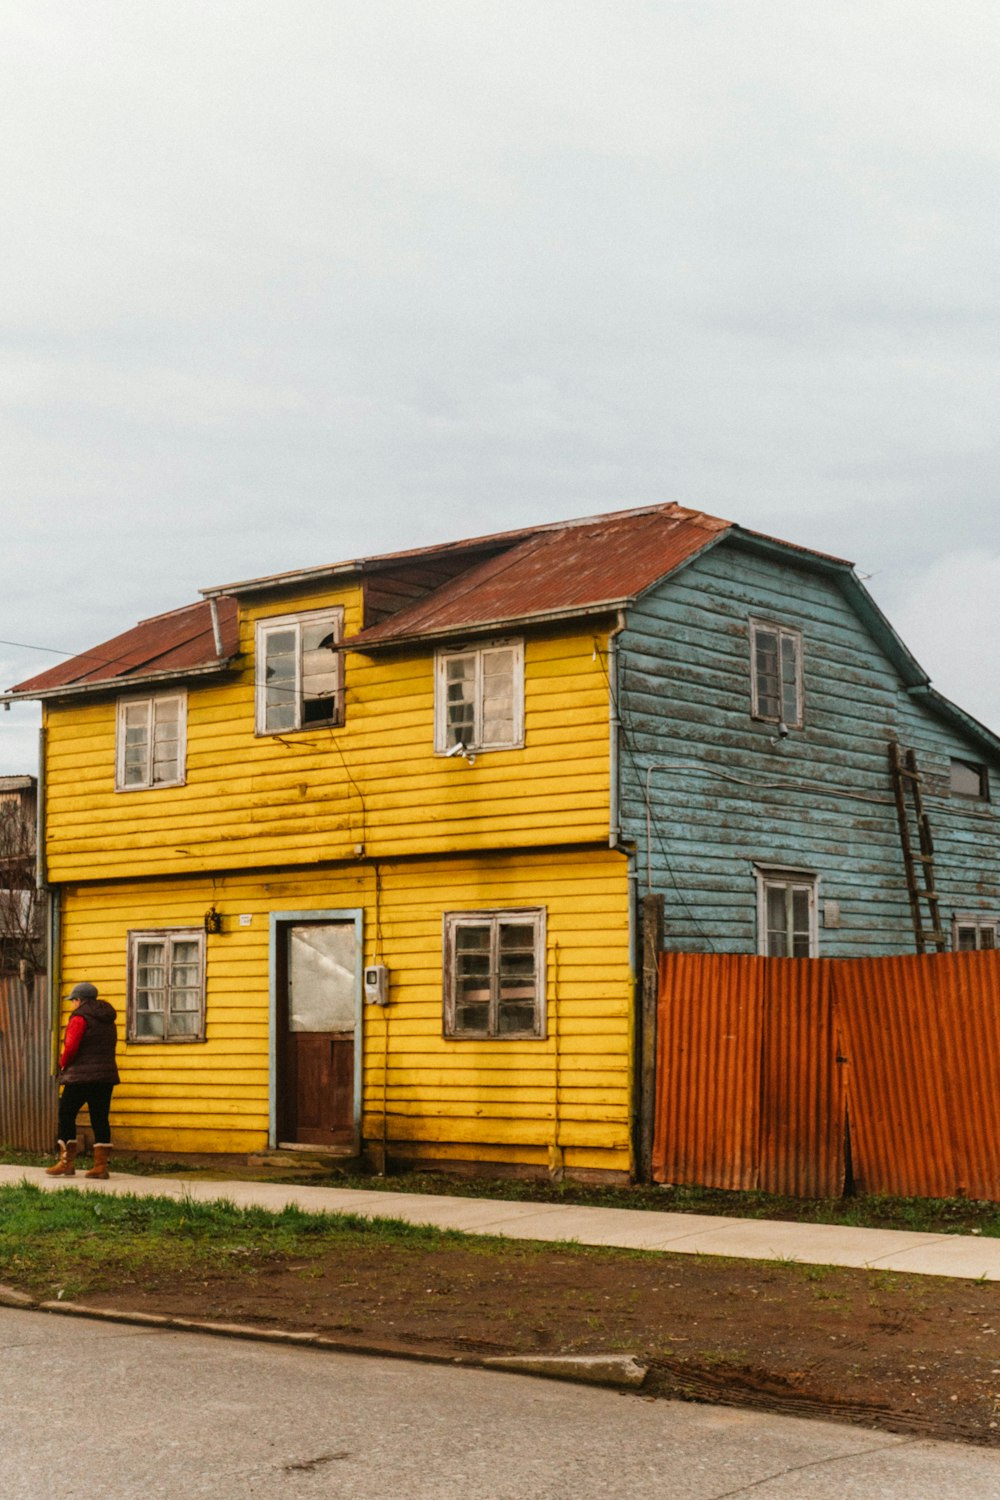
(342, 847)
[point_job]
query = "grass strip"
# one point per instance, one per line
(64, 1243)
(860, 1211)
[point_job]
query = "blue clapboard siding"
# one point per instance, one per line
(684, 696)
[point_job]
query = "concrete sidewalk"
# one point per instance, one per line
(966, 1256)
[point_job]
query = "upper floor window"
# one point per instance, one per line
(973, 934)
(776, 674)
(968, 778)
(299, 671)
(479, 697)
(494, 973)
(787, 925)
(166, 985)
(151, 741)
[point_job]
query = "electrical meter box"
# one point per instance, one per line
(376, 984)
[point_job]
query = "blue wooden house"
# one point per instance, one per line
(791, 782)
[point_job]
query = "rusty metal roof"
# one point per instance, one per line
(179, 642)
(576, 568)
(556, 570)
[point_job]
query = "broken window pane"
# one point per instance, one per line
(299, 673)
(320, 672)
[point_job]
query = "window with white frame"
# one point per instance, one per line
(479, 697)
(299, 671)
(151, 741)
(494, 973)
(973, 933)
(787, 925)
(776, 674)
(166, 985)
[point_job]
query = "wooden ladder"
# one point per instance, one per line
(920, 881)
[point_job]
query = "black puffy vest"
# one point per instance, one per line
(95, 1058)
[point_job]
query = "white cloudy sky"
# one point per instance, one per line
(287, 283)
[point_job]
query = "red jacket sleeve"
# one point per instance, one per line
(75, 1028)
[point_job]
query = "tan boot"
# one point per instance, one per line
(64, 1167)
(100, 1167)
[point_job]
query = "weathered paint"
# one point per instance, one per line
(763, 1061)
(289, 799)
(301, 820)
(730, 792)
(492, 1101)
(921, 1042)
(749, 1091)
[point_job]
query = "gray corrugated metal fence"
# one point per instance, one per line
(28, 1092)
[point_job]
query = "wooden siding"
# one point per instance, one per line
(297, 797)
(684, 692)
(564, 1098)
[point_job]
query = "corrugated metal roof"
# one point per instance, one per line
(176, 642)
(562, 570)
(553, 571)
(559, 569)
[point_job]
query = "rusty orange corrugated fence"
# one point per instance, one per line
(764, 1065)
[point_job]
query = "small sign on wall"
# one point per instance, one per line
(245, 918)
(831, 914)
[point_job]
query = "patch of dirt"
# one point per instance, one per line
(906, 1353)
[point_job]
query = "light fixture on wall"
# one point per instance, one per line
(213, 920)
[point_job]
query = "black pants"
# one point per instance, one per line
(97, 1097)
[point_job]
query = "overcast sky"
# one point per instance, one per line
(282, 284)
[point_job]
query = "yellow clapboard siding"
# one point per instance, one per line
(271, 823)
(176, 1140)
(254, 800)
(412, 1086)
(468, 1096)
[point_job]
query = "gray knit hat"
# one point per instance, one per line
(84, 991)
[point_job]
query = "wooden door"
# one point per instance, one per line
(320, 1016)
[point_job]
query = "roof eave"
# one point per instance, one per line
(277, 581)
(957, 717)
(118, 684)
(486, 627)
(843, 573)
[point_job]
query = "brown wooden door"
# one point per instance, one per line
(320, 983)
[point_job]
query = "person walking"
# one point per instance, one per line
(88, 1075)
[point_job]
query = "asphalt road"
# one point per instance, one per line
(107, 1410)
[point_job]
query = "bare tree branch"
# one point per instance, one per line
(20, 905)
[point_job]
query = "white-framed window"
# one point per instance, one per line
(166, 985)
(787, 922)
(973, 933)
(494, 973)
(299, 671)
(479, 697)
(152, 735)
(776, 674)
(968, 778)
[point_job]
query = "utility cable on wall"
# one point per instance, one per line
(652, 820)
